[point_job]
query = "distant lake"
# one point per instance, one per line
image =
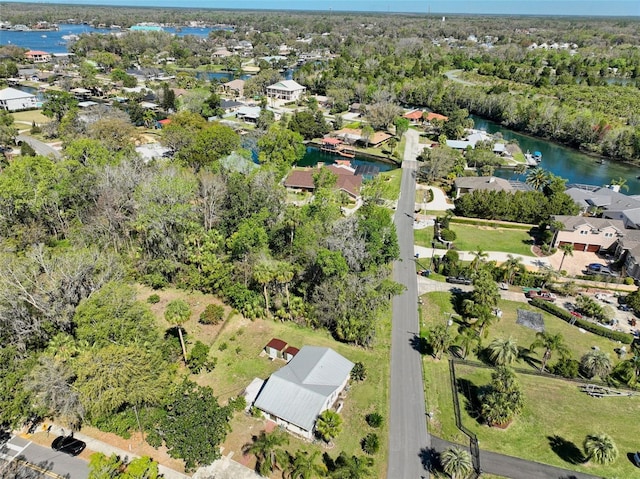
(52, 42)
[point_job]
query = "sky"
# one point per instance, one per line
(487, 7)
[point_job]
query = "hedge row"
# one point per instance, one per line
(591, 327)
(492, 224)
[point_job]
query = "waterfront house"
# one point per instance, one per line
(37, 56)
(347, 180)
(469, 184)
(12, 99)
(587, 233)
(289, 90)
(608, 202)
(295, 395)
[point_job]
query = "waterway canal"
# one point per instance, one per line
(313, 156)
(566, 162)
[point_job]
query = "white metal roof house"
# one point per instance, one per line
(309, 384)
(289, 90)
(16, 100)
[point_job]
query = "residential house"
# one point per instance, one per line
(469, 184)
(221, 53)
(587, 233)
(275, 348)
(354, 135)
(609, 202)
(289, 90)
(234, 87)
(296, 394)
(12, 99)
(37, 56)
(347, 180)
(628, 253)
(414, 116)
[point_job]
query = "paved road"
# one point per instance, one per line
(46, 459)
(514, 468)
(40, 147)
(407, 425)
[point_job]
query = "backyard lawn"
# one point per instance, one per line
(24, 119)
(391, 184)
(238, 343)
(554, 407)
(474, 238)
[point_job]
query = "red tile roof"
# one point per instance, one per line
(331, 141)
(436, 116)
(414, 115)
(277, 344)
(35, 52)
(291, 350)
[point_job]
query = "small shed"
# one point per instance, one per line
(289, 353)
(275, 348)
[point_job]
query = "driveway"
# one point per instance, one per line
(40, 147)
(439, 202)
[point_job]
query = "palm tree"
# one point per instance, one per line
(621, 183)
(478, 257)
(629, 371)
(456, 462)
(567, 250)
(550, 343)
(600, 448)
(503, 352)
(283, 274)
(520, 169)
(440, 339)
(353, 467)
(465, 339)
(266, 449)
(328, 425)
(305, 465)
(485, 319)
(511, 267)
(263, 273)
(177, 313)
(538, 178)
(595, 363)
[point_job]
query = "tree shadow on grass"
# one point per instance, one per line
(631, 459)
(526, 355)
(469, 391)
(566, 450)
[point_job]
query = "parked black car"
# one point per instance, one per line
(458, 280)
(68, 444)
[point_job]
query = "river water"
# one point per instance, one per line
(313, 156)
(566, 162)
(52, 42)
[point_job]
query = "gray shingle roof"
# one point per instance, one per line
(297, 392)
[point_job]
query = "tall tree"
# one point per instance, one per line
(177, 313)
(538, 178)
(551, 343)
(567, 250)
(268, 452)
(351, 467)
(305, 465)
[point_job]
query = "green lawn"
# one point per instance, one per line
(553, 406)
(391, 184)
(24, 119)
(473, 238)
(423, 237)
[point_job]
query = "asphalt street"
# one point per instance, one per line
(408, 438)
(56, 464)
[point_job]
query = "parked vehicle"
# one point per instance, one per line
(458, 280)
(68, 444)
(624, 307)
(595, 267)
(424, 272)
(544, 295)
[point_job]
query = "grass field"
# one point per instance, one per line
(554, 407)
(24, 119)
(473, 238)
(392, 180)
(238, 343)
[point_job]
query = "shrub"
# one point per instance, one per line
(359, 372)
(238, 403)
(212, 314)
(223, 346)
(581, 323)
(628, 280)
(370, 443)
(374, 419)
(566, 367)
(198, 358)
(448, 235)
(153, 299)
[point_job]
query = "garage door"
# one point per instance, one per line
(579, 246)
(593, 248)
